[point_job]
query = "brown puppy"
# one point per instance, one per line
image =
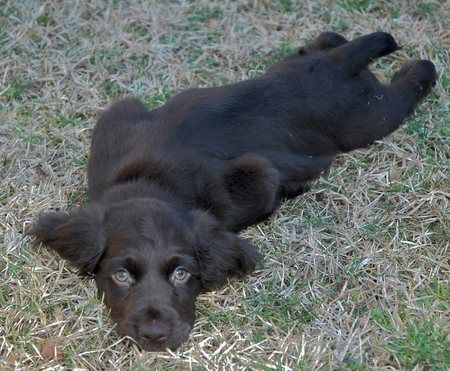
(169, 187)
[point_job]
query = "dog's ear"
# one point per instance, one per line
(78, 236)
(221, 254)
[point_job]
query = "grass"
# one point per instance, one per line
(356, 270)
(425, 344)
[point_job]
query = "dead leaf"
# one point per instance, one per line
(40, 171)
(395, 175)
(49, 350)
(212, 24)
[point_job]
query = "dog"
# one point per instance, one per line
(170, 188)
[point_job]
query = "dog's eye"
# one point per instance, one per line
(121, 276)
(179, 275)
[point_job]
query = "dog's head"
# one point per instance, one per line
(150, 261)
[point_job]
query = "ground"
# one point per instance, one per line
(356, 270)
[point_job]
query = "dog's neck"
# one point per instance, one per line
(140, 188)
(146, 188)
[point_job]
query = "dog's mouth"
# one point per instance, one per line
(179, 333)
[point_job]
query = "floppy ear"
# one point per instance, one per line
(78, 236)
(221, 254)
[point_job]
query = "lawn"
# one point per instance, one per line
(356, 270)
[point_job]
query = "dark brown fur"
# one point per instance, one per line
(169, 187)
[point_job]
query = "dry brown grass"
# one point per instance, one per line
(356, 272)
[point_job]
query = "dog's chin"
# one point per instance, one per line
(177, 337)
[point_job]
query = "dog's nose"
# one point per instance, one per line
(154, 332)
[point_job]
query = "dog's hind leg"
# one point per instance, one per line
(414, 82)
(386, 107)
(325, 41)
(356, 55)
